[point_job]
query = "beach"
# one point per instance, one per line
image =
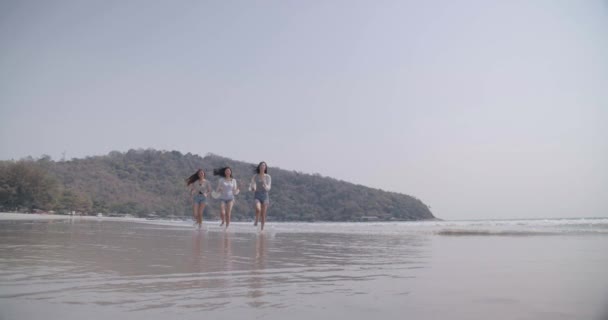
(96, 268)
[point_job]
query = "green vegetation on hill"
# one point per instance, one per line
(144, 182)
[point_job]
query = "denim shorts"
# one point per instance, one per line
(199, 198)
(262, 197)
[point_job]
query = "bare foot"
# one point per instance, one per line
(221, 224)
(255, 223)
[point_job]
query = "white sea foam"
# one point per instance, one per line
(523, 227)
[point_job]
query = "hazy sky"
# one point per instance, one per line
(481, 109)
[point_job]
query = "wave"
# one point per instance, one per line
(508, 233)
(520, 227)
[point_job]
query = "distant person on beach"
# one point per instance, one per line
(227, 188)
(200, 188)
(260, 185)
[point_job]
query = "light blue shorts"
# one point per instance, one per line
(199, 198)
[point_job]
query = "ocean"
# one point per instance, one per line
(98, 268)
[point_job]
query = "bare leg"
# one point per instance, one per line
(199, 217)
(194, 210)
(257, 212)
(222, 213)
(263, 213)
(228, 212)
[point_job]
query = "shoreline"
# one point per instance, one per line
(48, 216)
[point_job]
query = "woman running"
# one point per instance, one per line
(227, 188)
(260, 185)
(200, 189)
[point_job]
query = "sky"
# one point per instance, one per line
(481, 109)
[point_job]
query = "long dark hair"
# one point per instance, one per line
(222, 172)
(257, 169)
(191, 179)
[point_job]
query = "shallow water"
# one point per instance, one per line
(99, 268)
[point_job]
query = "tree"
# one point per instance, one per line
(148, 181)
(24, 184)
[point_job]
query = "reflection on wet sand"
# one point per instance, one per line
(95, 269)
(227, 252)
(256, 280)
(139, 267)
(197, 254)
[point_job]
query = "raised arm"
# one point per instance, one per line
(267, 182)
(252, 183)
(219, 185)
(235, 187)
(208, 188)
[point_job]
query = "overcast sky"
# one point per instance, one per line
(481, 109)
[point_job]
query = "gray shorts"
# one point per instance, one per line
(200, 198)
(261, 197)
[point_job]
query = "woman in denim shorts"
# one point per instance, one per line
(200, 188)
(260, 185)
(227, 188)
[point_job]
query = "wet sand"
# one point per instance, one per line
(99, 268)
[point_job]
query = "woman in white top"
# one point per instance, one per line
(200, 189)
(227, 188)
(260, 185)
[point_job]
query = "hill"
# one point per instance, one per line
(144, 182)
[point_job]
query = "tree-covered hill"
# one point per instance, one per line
(144, 182)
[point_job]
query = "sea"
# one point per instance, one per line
(57, 267)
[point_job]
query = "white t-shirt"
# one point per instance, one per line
(227, 188)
